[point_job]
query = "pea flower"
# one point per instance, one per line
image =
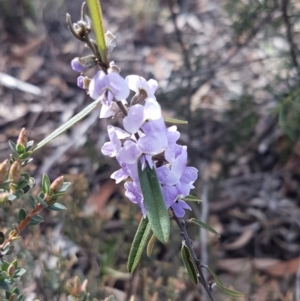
(108, 86)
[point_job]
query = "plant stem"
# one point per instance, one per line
(22, 225)
(181, 224)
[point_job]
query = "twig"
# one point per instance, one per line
(203, 232)
(13, 234)
(181, 224)
(285, 4)
(185, 55)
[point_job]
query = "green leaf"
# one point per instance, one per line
(192, 198)
(97, 20)
(19, 272)
(68, 124)
(189, 264)
(40, 198)
(4, 285)
(7, 250)
(36, 219)
(20, 149)
(154, 202)
(29, 145)
(64, 187)
(229, 292)
(174, 121)
(217, 279)
(138, 244)
(204, 226)
(4, 266)
(57, 207)
(21, 215)
(21, 298)
(15, 290)
(13, 148)
(45, 183)
(31, 201)
(150, 245)
(25, 155)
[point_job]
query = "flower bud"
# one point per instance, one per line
(11, 270)
(56, 185)
(4, 167)
(76, 65)
(13, 297)
(14, 172)
(3, 198)
(83, 82)
(23, 137)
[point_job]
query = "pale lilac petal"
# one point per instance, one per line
(170, 194)
(135, 82)
(106, 111)
(77, 66)
(133, 192)
(119, 175)
(80, 82)
(135, 118)
(118, 86)
(129, 153)
(98, 85)
(183, 188)
(189, 175)
(151, 144)
(179, 165)
(178, 208)
(166, 176)
(152, 84)
(152, 109)
(108, 149)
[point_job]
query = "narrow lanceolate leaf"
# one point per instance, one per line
(138, 244)
(97, 20)
(229, 292)
(150, 245)
(189, 264)
(68, 124)
(204, 226)
(217, 279)
(174, 121)
(192, 198)
(154, 202)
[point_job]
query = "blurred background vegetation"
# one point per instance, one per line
(231, 68)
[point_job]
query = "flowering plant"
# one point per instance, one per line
(152, 163)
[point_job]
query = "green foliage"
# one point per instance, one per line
(154, 202)
(204, 226)
(189, 263)
(138, 244)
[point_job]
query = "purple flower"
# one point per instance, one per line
(137, 83)
(151, 142)
(113, 147)
(134, 193)
(77, 66)
(173, 198)
(139, 114)
(108, 86)
(110, 110)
